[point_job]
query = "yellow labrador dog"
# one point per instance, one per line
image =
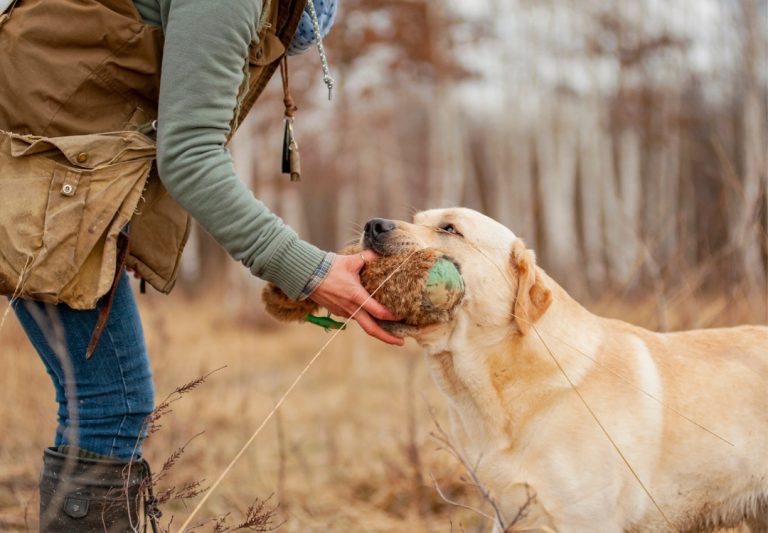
(581, 423)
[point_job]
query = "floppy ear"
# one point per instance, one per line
(532, 298)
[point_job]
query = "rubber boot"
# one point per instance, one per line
(88, 493)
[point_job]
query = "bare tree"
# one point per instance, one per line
(746, 234)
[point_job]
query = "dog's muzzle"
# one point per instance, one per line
(376, 233)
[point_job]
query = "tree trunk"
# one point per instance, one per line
(556, 155)
(627, 251)
(591, 169)
(746, 236)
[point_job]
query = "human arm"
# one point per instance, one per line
(205, 58)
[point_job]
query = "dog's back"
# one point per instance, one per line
(714, 443)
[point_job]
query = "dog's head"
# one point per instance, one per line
(503, 286)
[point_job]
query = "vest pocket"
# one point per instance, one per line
(56, 261)
(63, 202)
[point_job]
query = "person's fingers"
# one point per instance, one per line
(343, 295)
(338, 311)
(352, 308)
(361, 298)
(355, 262)
(374, 330)
(377, 310)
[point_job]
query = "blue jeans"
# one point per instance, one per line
(104, 401)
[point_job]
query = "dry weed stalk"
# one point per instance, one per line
(172, 460)
(445, 442)
(258, 517)
(186, 491)
(163, 408)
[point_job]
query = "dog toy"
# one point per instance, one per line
(421, 288)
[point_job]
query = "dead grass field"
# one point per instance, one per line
(350, 449)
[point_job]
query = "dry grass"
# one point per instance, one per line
(349, 451)
(343, 460)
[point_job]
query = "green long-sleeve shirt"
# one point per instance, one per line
(205, 54)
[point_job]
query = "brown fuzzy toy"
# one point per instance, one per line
(424, 288)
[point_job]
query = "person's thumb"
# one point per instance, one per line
(368, 255)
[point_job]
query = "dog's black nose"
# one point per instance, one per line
(378, 226)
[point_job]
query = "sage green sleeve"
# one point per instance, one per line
(204, 60)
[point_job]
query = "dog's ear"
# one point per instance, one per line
(533, 298)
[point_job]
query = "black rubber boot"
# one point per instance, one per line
(84, 492)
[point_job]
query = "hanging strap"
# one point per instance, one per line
(108, 299)
(290, 106)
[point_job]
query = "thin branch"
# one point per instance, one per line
(472, 471)
(457, 504)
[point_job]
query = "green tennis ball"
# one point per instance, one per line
(444, 287)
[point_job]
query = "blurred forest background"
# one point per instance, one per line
(625, 141)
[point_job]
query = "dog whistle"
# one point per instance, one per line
(287, 138)
(295, 162)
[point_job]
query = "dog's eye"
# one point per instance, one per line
(449, 228)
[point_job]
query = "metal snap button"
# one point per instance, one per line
(82, 157)
(67, 189)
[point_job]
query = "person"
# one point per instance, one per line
(205, 85)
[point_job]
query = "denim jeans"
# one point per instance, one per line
(104, 401)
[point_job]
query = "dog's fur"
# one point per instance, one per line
(502, 361)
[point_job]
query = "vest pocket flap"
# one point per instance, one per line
(87, 151)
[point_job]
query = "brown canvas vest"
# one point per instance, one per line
(78, 80)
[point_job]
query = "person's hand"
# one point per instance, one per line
(341, 293)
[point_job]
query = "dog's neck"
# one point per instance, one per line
(494, 377)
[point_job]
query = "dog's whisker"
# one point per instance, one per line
(351, 242)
